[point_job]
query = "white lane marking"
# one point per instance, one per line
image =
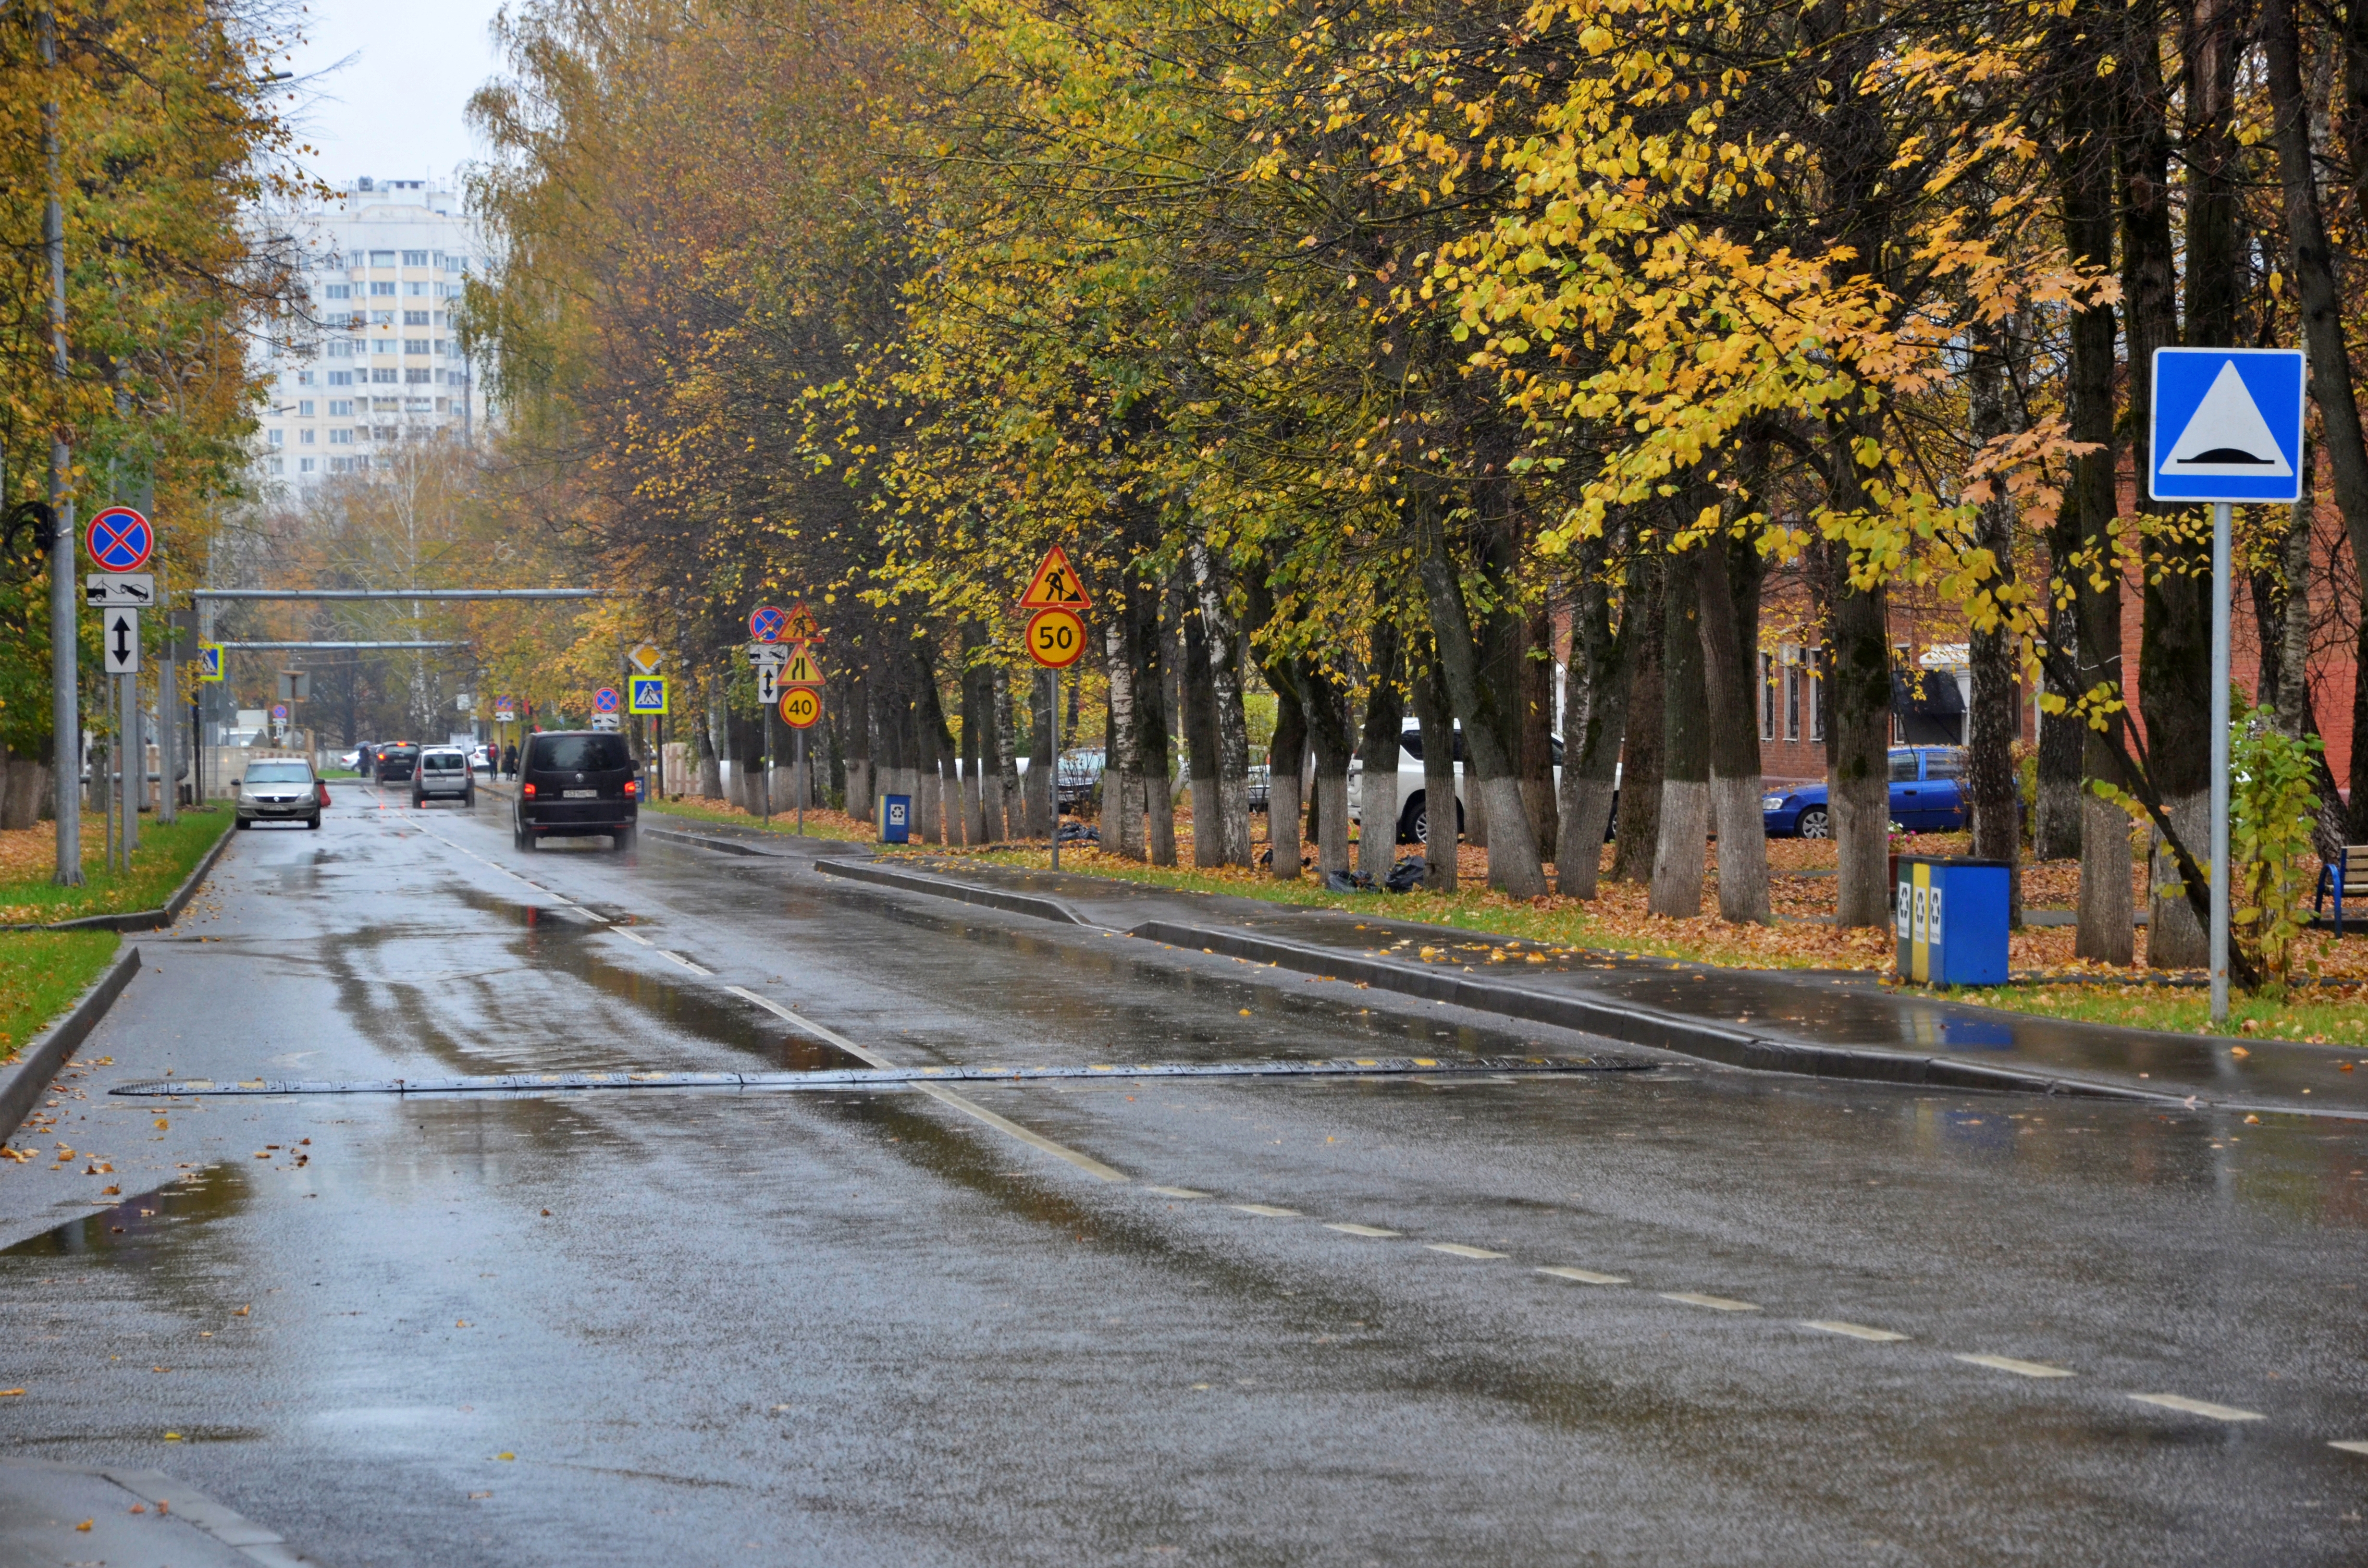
(1084, 1163)
(1348, 1229)
(1585, 1276)
(1715, 1303)
(1457, 1249)
(1268, 1210)
(1854, 1330)
(645, 941)
(2350, 1445)
(677, 958)
(2020, 1368)
(2199, 1408)
(1175, 1191)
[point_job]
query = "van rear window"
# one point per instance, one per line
(578, 753)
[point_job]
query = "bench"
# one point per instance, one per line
(2349, 871)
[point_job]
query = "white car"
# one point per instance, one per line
(443, 773)
(1414, 808)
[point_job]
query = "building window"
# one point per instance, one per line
(415, 377)
(414, 258)
(341, 378)
(341, 291)
(383, 378)
(305, 378)
(304, 465)
(382, 258)
(304, 409)
(279, 465)
(341, 408)
(382, 432)
(415, 318)
(303, 437)
(415, 346)
(342, 437)
(1817, 658)
(381, 291)
(416, 291)
(280, 437)
(353, 258)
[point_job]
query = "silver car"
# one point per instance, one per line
(279, 790)
(443, 773)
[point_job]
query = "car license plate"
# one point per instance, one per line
(579, 794)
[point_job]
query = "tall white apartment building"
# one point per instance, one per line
(384, 270)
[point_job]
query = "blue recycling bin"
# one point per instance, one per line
(1950, 915)
(895, 819)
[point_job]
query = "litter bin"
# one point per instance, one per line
(895, 819)
(1949, 914)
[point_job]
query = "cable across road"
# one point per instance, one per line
(886, 1077)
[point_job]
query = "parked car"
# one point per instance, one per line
(576, 783)
(349, 759)
(396, 762)
(1927, 795)
(443, 773)
(1414, 806)
(279, 790)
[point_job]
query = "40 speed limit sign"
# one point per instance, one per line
(1056, 638)
(801, 706)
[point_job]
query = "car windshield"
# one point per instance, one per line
(579, 753)
(278, 773)
(398, 754)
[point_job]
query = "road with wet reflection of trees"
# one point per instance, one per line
(1679, 1315)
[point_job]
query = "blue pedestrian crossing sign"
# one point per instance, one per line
(2227, 425)
(209, 661)
(645, 694)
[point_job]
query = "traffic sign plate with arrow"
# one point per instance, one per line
(120, 642)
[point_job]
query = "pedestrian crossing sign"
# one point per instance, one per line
(209, 661)
(2227, 425)
(646, 695)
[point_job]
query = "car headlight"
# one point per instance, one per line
(1772, 803)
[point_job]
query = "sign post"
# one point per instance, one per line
(2227, 430)
(1056, 639)
(801, 706)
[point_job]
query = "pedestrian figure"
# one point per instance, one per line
(509, 761)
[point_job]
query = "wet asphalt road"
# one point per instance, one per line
(865, 1326)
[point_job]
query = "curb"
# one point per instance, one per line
(146, 919)
(189, 1508)
(729, 847)
(1051, 909)
(27, 1079)
(1640, 1025)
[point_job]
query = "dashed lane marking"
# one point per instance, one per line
(1457, 1249)
(1348, 1229)
(645, 942)
(1585, 1276)
(1268, 1210)
(1853, 1330)
(1715, 1303)
(686, 963)
(2350, 1445)
(1176, 1192)
(2020, 1368)
(2204, 1407)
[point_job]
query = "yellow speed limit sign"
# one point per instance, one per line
(801, 706)
(1056, 638)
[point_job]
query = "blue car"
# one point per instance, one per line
(1927, 795)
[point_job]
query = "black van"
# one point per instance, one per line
(396, 764)
(573, 783)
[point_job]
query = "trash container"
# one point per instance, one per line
(895, 819)
(1949, 914)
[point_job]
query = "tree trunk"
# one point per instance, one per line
(1439, 836)
(1490, 714)
(1678, 859)
(861, 727)
(1009, 820)
(1990, 794)
(1644, 631)
(1377, 784)
(1324, 708)
(1121, 771)
(1729, 594)
(1231, 824)
(1858, 764)
(1595, 721)
(1196, 691)
(2055, 818)
(1283, 799)
(1151, 758)
(1537, 673)
(710, 769)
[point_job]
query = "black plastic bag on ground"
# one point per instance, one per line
(1348, 881)
(1406, 875)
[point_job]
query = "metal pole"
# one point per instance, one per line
(799, 766)
(765, 763)
(2220, 584)
(135, 766)
(1057, 771)
(65, 697)
(102, 770)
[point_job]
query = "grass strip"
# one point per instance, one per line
(40, 974)
(164, 858)
(821, 821)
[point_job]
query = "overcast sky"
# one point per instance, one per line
(394, 109)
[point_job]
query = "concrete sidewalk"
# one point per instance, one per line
(124, 1518)
(1825, 1023)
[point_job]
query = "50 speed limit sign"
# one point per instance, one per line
(801, 706)
(1056, 638)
